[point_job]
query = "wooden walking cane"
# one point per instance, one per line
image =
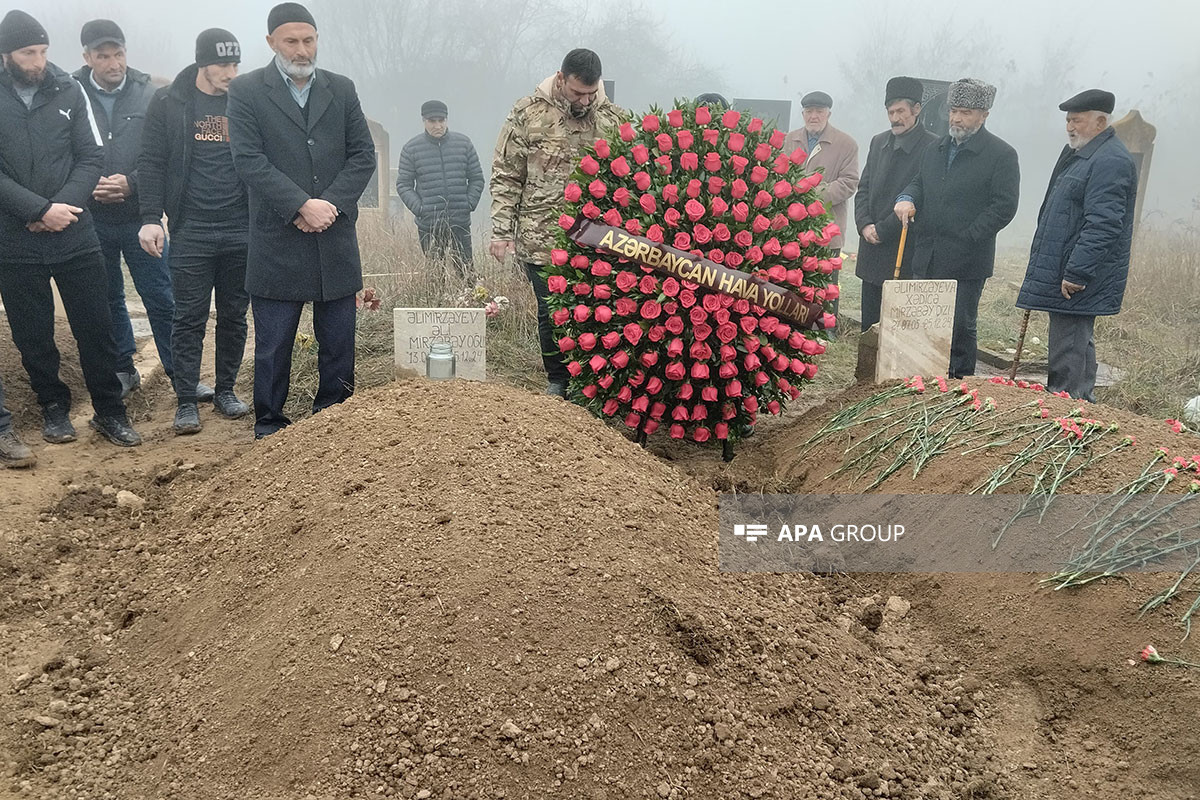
(900, 251)
(1012, 373)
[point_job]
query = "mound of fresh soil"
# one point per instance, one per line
(18, 395)
(467, 591)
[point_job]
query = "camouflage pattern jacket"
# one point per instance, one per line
(538, 149)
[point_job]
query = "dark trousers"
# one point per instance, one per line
(1072, 356)
(446, 239)
(872, 303)
(29, 303)
(964, 343)
(556, 368)
(151, 277)
(275, 324)
(5, 414)
(207, 257)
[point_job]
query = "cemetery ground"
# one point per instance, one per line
(476, 591)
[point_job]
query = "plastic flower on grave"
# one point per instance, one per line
(718, 296)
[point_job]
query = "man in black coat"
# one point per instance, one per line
(120, 96)
(964, 193)
(302, 147)
(440, 180)
(186, 170)
(51, 158)
(892, 162)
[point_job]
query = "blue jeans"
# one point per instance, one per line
(151, 278)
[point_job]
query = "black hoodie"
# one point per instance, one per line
(50, 152)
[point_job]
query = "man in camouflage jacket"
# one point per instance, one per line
(539, 146)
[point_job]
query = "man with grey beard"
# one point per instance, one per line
(1079, 261)
(302, 146)
(964, 193)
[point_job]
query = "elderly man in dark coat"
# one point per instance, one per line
(892, 162)
(440, 180)
(964, 193)
(302, 146)
(1079, 260)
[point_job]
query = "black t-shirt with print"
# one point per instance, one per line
(214, 191)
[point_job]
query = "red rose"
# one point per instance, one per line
(590, 391)
(717, 256)
(703, 434)
(815, 208)
(672, 216)
(591, 210)
(647, 204)
(670, 194)
(627, 132)
(605, 382)
(613, 217)
(751, 343)
(715, 185)
(734, 388)
(693, 188)
(675, 325)
(755, 125)
(697, 315)
(670, 286)
(675, 118)
(587, 341)
(743, 239)
(718, 207)
(791, 251)
(703, 115)
(597, 362)
(782, 189)
(610, 407)
(674, 348)
(760, 224)
(603, 314)
(574, 369)
(762, 152)
(648, 285)
(626, 306)
(731, 118)
(589, 165)
(664, 164)
(700, 371)
(620, 167)
(772, 248)
(664, 142)
(736, 141)
(566, 221)
(712, 162)
(711, 136)
(640, 153)
(572, 193)
(741, 211)
(727, 371)
(581, 313)
(675, 371)
(829, 322)
(633, 226)
(620, 359)
(734, 259)
(739, 163)
(797, 212)
(762, 200)
(650, 123)
(777, 139)
(686, 139)
(709, 394)
(832, 292)
(699, 351)
(581, 289)
(566, 344)
(601, 269)
(626, 280)
(727, 332)
(651, 309)
(701, 332)
(641, 404)
(798, 156)
(694, 210)
(658, 409)
(678, 432)
(561, 316)
(758, 174)
(633, 420)
(711, 302)
(687, 298)
(782, 165)
(601, 148)
(699, 412)
(557, 284)
(655, 234)
(701, 234)
(689, 160)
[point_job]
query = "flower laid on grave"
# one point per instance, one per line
(481, 297)
(692, 281)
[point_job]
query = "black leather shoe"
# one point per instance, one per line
(204, 394)
(129, 382)
(117, 430)
(187, 419)
(13, 452)
(57, 427)
(229, 406)
(557, 388)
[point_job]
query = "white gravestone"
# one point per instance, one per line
(464, 328)
(916, 324)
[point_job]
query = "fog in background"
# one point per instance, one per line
(479, 57)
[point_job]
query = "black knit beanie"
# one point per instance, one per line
(18, 30)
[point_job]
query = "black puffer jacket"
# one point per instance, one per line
(122, 137)
(440, 178)
(49, 153)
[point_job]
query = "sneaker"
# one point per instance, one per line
(204, 393)
(14, 453)
(129, 382)
(116, 429)
(187, 419)
(557, 389)
(228, 405)
(57, 427)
